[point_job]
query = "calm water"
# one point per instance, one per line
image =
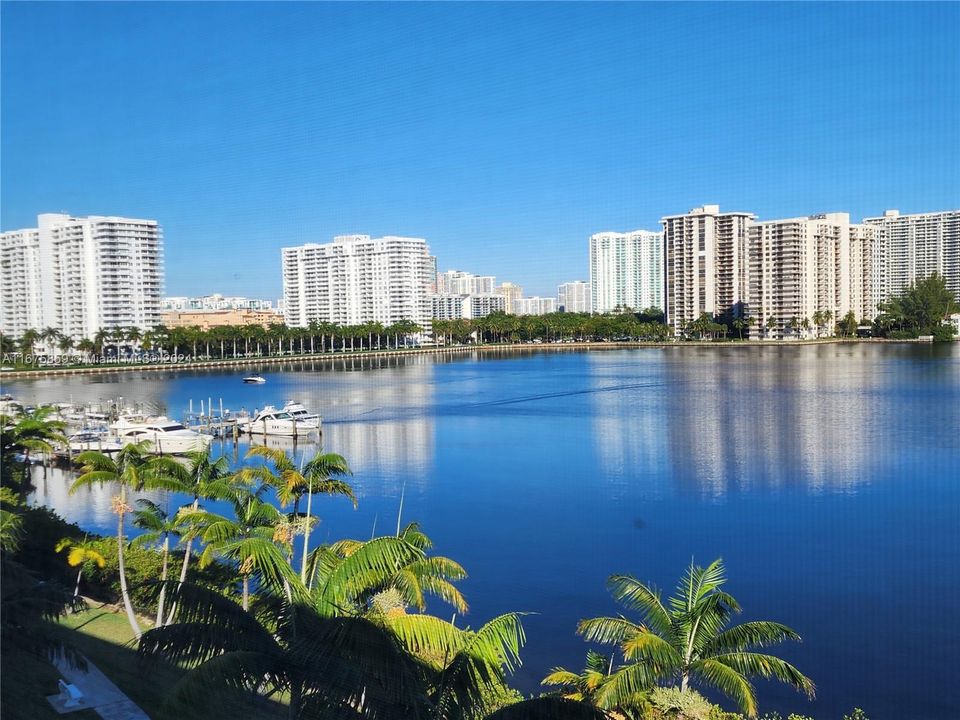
(827, 477)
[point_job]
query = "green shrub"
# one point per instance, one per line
(674, 704)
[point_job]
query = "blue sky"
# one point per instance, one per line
(505, 134)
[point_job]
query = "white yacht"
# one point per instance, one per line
(254, 380)
(165, 436)
(303, 416)
(88, 439)
(271, 421)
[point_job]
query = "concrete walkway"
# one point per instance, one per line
(99, 693)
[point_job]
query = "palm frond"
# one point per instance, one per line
(635, 595)
(751, 634)
(608, 630)
(729, 682)
(767, 666)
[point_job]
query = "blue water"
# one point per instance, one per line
(827, 477)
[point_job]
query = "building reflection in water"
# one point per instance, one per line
(89, 507)
(716, 420)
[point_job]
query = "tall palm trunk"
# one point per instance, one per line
(128, 606)
(306, 536)
(246, 592)
(183, 568)
(163, 580)
(76, 589)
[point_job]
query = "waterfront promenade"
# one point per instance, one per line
(259, 360)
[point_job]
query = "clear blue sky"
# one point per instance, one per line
(505, 134)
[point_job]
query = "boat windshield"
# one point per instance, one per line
(172, 427)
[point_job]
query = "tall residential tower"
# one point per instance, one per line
(357, 279)
(626, 269)
(916, 246)
(80, 275)
(705, 264)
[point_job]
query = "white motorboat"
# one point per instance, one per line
(254, 380)
(163, 435)
(92, 440)
(271, 421)
(303, 416)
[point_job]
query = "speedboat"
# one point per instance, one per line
(254, 380)
(271, 421)
(88, 439)
(163, 435)
(300, 413)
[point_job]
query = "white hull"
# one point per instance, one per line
(163, 444)
(288, 428)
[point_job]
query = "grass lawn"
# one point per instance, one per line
(103, 635)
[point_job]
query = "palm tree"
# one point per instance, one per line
(158, 526)
(80, 554)
(588, 684)
(201, 476)
(28, 340)
(740, 324)
(321, 475)
(30, 433)
(129, 471)
(685, 640)
(251, 538)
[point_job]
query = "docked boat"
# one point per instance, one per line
(303, 416)
(254, 380)
(271, 421)
(88, 439)
(163, 435)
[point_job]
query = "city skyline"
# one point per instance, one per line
(498, 152)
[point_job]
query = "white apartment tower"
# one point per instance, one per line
(458, 282)
(916, 246)
(705, 264)
(626, 269)
(535, 305)
(574, 297)
(357, 279)
(81, 275)
(468, 307)
(802, 266)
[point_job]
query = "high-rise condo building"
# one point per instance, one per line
(511, 292)
(915, 246)
(810, 268)
(357, 279)
(457, 282)
(80, 275)
(574, 297)
(626, 270)
(468, 307)
(534, 305)
(705, 264)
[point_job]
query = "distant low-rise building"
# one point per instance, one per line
(207, 319)
(215, 302)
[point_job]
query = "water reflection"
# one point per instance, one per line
(89, 507)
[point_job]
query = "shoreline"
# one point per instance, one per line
(455, 350)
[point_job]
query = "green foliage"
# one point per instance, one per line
(687, 639)
(919, 310)
(671, 703)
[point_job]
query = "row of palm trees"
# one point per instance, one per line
(278, 339)
(343, 627)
